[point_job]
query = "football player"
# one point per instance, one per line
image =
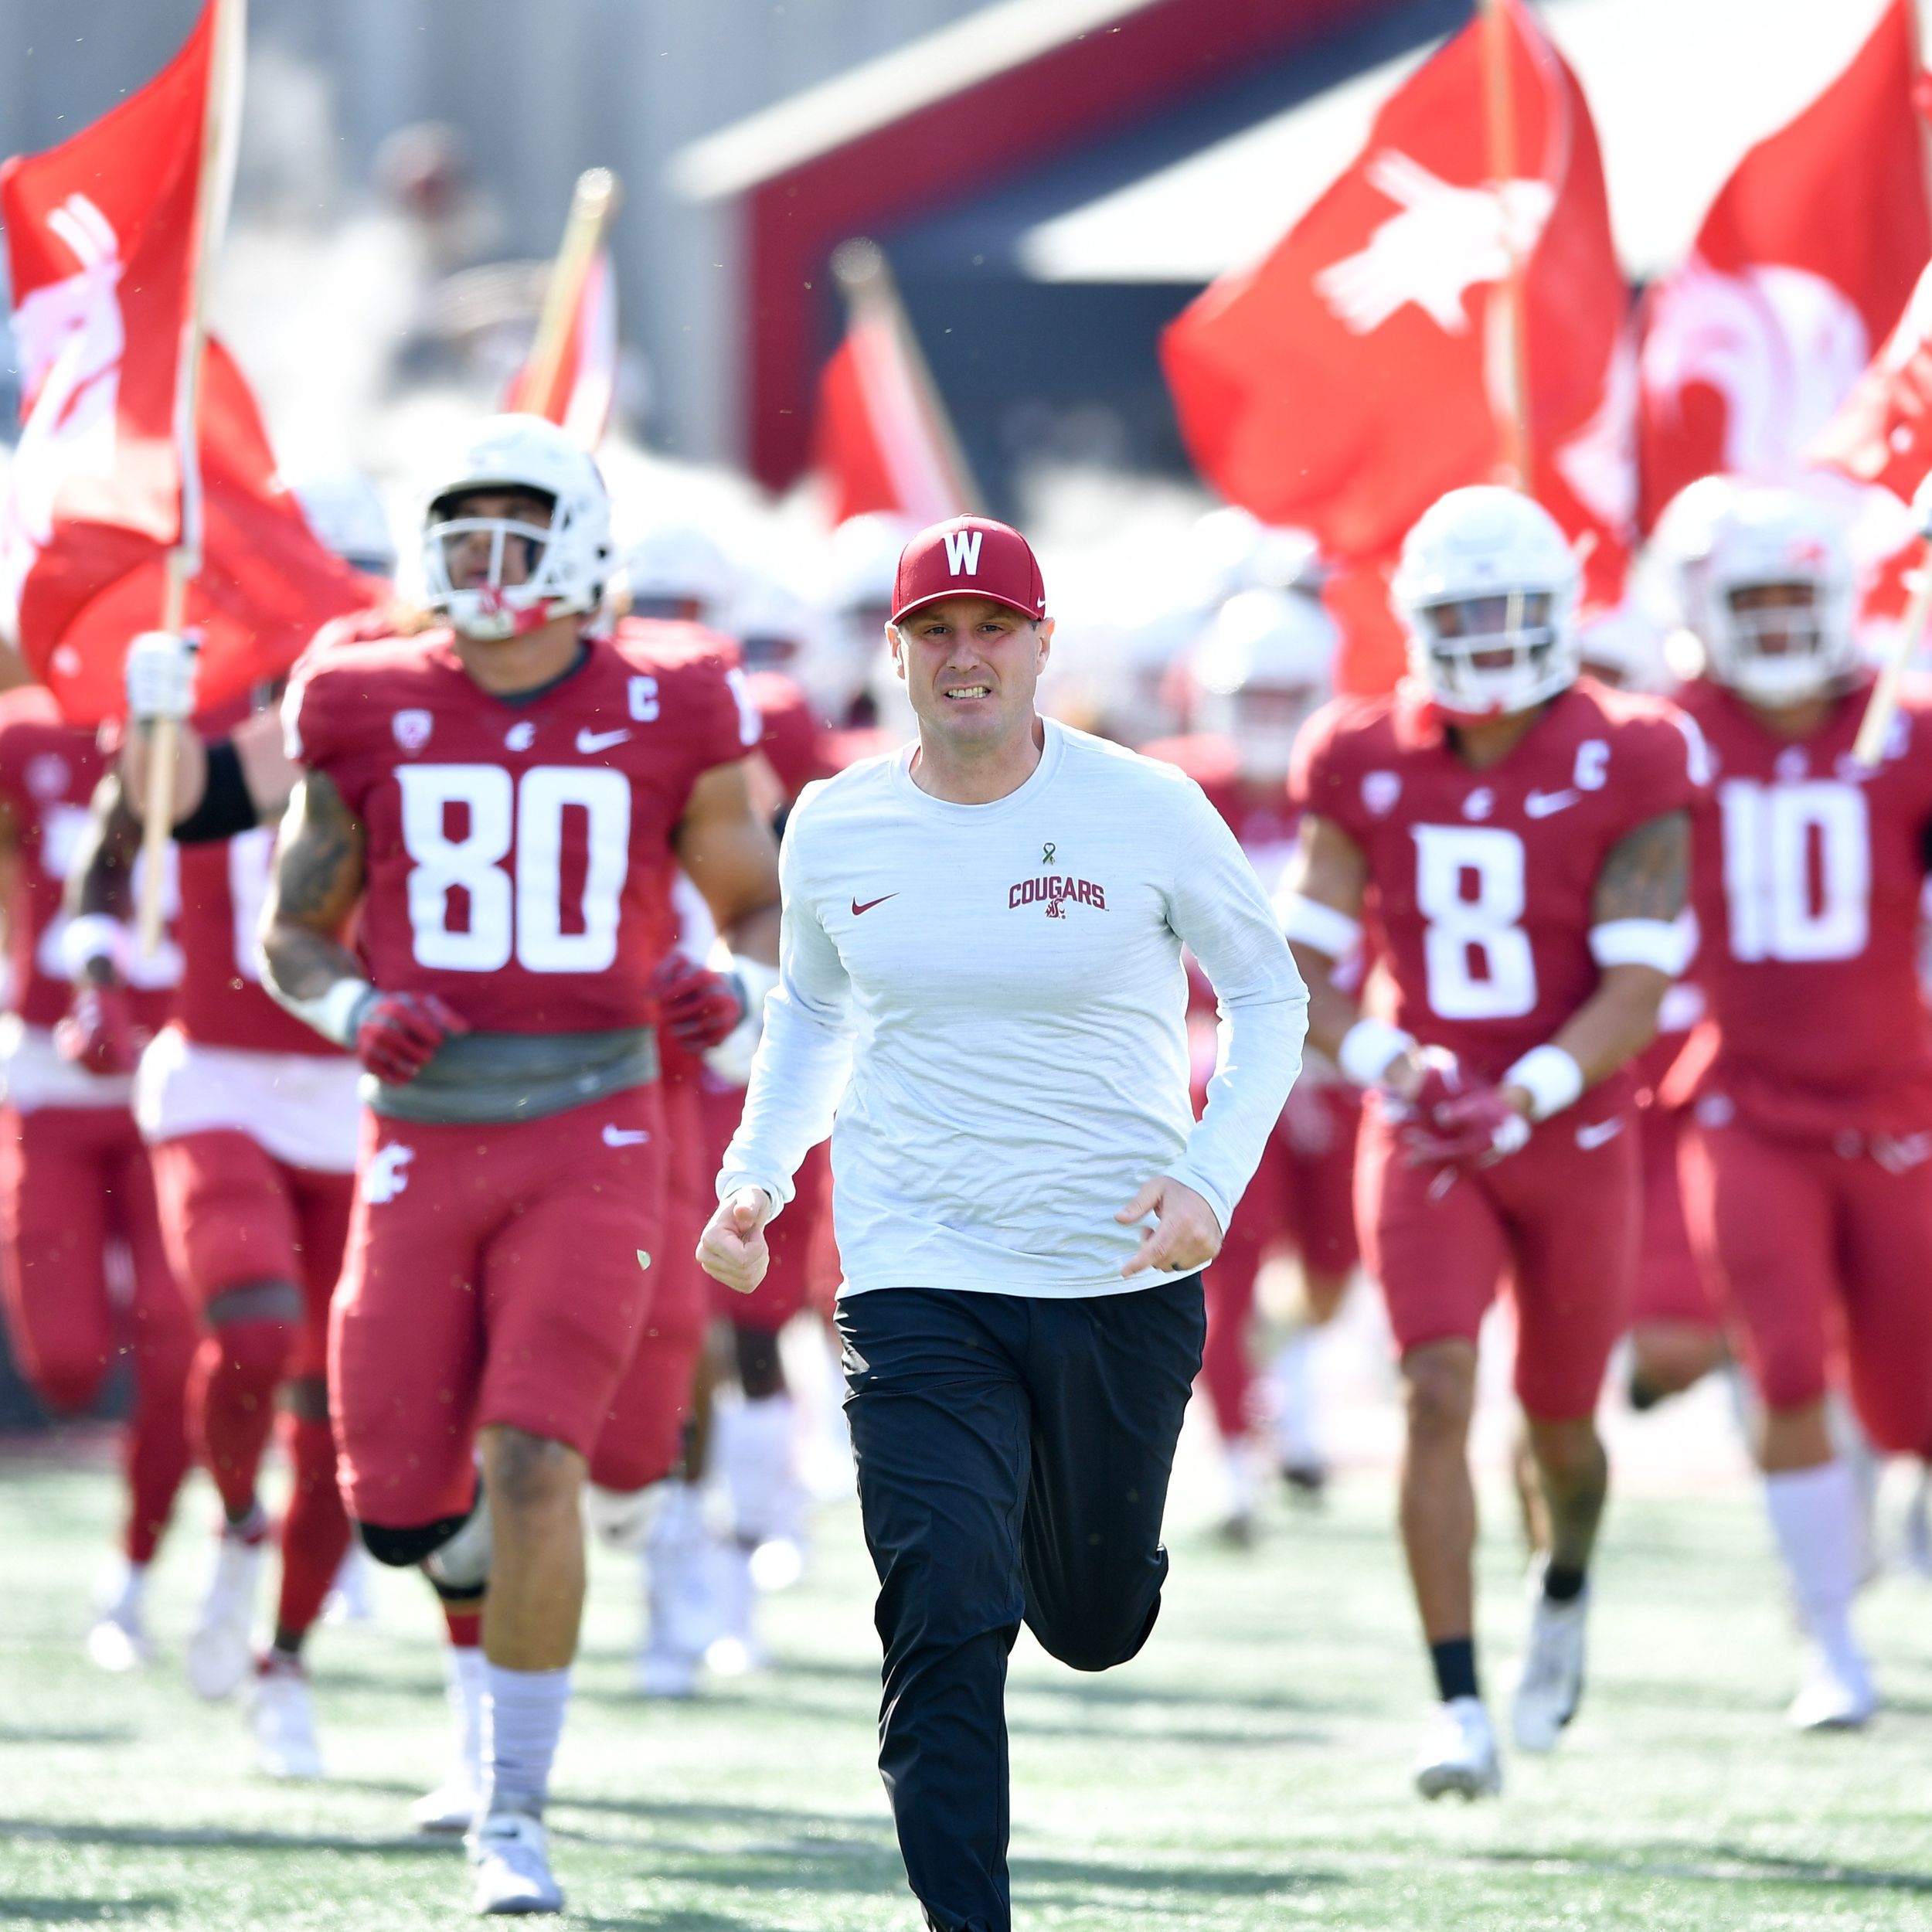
(251, 1122)
(1261, 669)
(74, 1182)
(500, 805)
(1516, 841)
(1806, 1159)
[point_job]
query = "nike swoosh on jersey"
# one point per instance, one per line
(625, 1136)
(1540, 805)
(1599, 1135)
(589, 741)
(857, 909)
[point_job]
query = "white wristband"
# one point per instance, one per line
(1550, 1076)
(88, 937)
(1368, 1048)
(1307, 922)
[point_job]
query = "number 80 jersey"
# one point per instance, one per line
(518, 855)
(1482, 883)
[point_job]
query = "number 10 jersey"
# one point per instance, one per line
(518, 855)
(1482, 883)
(1806, 875)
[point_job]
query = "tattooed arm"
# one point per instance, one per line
(1645, 878)
(318, 879)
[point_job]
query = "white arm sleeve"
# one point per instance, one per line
(1216, 905)
(799, 1074)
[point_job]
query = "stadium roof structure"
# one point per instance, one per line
(971, 106)
(1053, 179)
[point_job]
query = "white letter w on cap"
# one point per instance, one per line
(962, 552)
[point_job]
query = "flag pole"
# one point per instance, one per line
(1499, 114)
(865, 281)
(593, 206)
(184, 560)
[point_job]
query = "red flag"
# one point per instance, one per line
(583, 385)
(1360, 370)
(881, 441)
(1805, 261)
(1883, 431)
(101, 240)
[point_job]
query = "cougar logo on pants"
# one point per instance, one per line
(386, 1178)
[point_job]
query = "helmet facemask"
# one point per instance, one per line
(1490, 654)
(516, 585)
(1776, 643)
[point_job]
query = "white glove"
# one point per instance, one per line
(160, 675)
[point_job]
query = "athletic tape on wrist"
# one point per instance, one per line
(1550, 1076)
(88, 937)
(755, 979)
(335, 1014)
(1368, 1049)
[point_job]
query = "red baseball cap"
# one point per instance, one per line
(969, 557)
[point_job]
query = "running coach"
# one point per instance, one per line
(981, 979)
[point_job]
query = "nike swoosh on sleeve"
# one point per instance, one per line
(857, 909)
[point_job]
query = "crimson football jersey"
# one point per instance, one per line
(1806, 875)
(1264, 820)
(49, 769)
(518, 853)
(1482, 883)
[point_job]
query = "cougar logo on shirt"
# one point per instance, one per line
(412, 728)
(1056, 891)
(384, 1178)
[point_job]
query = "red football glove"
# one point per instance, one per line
(699, 1007)
(1473, 1128)
(98, 1030)
(399, 1032)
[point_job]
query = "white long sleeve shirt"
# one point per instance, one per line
(991, 1000)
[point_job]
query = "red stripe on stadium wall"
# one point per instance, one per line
(1090, 86)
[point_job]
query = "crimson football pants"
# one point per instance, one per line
(493, 1277)
(236, 1217)
(642, 1437)
(1820, 1250)
(1559, 1220)
(1302, 1194)
(72, 1179)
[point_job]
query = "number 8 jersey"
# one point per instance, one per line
(1479, 902)
(518, 855)
(1806, 879)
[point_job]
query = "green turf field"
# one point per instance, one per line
(1247, 1772)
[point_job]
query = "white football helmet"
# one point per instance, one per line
(568, 560)
(678, 565)
(848, 657)
(348, 517)
(1773, 597)
(1487, 574)
(1625, 648)
(1261, 668)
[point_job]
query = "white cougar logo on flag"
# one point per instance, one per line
(71, 340)
(1445, 241)
(1781, 345)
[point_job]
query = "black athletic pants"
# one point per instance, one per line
(1013, 1462)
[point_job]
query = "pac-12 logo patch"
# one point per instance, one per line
(1380, 791)
(412, 728)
